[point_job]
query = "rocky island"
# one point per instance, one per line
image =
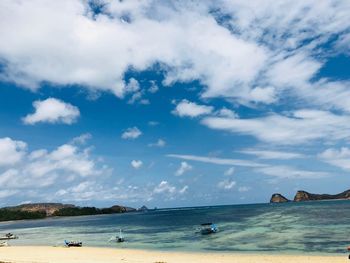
(43, 210)
(302, 196)
(278, 198)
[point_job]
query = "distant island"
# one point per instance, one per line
(43, 210)
(302, 196)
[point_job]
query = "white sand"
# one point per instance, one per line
(38, 254)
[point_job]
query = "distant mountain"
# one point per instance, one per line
(302, 196)
(43, 210)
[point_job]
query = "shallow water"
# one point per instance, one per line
(320, 227)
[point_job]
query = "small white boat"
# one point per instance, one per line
(118, 238)
(9, 236)
(3, 244)
(208, 228)
(73, 243)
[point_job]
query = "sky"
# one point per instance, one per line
(173, 103)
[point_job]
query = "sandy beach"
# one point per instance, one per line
(103, 255)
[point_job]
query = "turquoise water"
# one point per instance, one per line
(316, 227)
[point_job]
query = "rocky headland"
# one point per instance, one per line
(302, 196)
(278, 198)
(43, 210)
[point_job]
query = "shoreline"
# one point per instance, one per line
(41, 254)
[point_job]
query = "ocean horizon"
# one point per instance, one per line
(291, 228)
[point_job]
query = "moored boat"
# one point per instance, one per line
(3, 244)
(118, 238)
(73, 243)
(208, 228)
(9, 236)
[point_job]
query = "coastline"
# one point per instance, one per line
(41, 254)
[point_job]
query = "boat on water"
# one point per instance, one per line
(208, 228)
(9, 236)
(73, 243)
(3, 244)
(118, 238)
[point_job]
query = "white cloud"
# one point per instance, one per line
(214, 160)
(42, 168)
(224, 112)
(52, 110)
(290, 172)
(85, 191)
(183, 190)
(339, 158)
(82, 139)
(265, 95)
(190, 109)
(131, 133)
(164, 187)
(168, 191)
(184, 167)
(160, 143)
(277, 155)
(96, 50)
(226, 184)
(136, 164)
(153, 88)
(229, 171)
(11, 151)
(300, 126)
(132, 86)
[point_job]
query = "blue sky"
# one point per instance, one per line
(167, 103)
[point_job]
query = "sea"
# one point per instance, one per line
(291, 228)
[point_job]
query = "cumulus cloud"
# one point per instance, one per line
(133, 87)
(52, 110)
(184, 167)
(159, 143)
(96, 50)
(224, 112)
(11, 151)
(168, 190)
(81, 139)
(136, 164)
(164, 187)
(131, 133)
(226, 184)
(190, 109)
(44, 169)
(154, 87)
(183, 190)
